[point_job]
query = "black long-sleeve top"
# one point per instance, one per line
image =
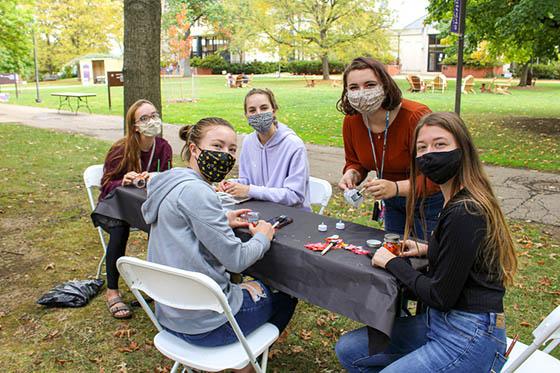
(457, 277)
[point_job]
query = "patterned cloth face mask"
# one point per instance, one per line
(214, 165)
(261, 122)
(150, 128)
(368, 100)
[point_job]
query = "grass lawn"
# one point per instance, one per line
(48, 238)
(520, 130)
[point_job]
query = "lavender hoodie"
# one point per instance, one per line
(277, 171)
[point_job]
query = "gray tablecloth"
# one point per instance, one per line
(339, 281)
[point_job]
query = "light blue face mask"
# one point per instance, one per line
(261, 122)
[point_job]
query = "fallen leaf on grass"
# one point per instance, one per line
(62, 361)
(52, 335)
(283, 337)
(124, 331)
(545, 281)
(297, 349)
(321, 321)
(133, 346)
(525, 323)
(273, 353)
(49, 266)
(305, 334)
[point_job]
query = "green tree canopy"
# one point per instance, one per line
(72, 28)
(323, 28)
(520, 30)
(16, 53)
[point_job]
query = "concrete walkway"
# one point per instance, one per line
(525, 194)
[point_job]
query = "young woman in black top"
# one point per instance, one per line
(471, 258)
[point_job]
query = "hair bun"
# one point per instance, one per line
(184, 132)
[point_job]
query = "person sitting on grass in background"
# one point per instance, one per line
(190, 230)
(273, 164)
(130, 158)
(471, 258)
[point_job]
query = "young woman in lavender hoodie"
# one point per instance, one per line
(273, 163)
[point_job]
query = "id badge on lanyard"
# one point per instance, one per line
(378, 213)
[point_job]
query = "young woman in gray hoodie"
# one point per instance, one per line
(190, 230)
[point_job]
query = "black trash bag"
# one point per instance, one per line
(75, 293)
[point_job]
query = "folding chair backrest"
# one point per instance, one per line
(92, 179)
(320, 192)
(549, 329)
(172, 287)
(178, 289)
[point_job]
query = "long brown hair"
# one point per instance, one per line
(130, 144)
(392, 91)
(194, 134)
(498, 251)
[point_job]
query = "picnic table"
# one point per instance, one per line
(81, 98)
(339, 281)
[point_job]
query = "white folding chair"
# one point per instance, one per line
(528, 359)
(320, 192)
(194, 291)
(92, 179)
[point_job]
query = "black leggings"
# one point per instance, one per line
(118, 237)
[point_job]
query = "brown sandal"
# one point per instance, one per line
(114, 309)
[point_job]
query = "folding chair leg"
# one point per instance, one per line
(100, 265)
(175, 367)
(264, 360)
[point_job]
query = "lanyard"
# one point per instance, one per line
(379, 172)
(151, 156)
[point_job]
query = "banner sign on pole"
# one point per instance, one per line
(456, 21)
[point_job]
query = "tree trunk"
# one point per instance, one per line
(141, 65)
(185, 64)
(526, 75)
(325, 61)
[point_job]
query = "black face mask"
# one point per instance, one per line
(440, 167)
(215, 165)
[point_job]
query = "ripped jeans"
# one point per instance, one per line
(258, 308)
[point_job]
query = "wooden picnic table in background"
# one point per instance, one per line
(81, 98)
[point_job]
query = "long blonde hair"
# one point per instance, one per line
(498, 250)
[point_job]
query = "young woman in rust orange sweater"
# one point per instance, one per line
(377, 132)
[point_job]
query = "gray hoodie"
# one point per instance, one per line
(190, 231)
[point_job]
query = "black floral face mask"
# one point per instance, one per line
(214, 165)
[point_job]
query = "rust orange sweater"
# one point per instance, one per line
(358, 152)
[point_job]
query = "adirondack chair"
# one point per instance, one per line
(468, 85)
(416, 83)
(439, 83)
(502, 86)
(309, 83)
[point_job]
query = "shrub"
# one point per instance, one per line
(314, 67)
(547, 71)
(540, 70)
(212, 61)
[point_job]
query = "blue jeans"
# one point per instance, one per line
(395, 214)
(276, 308)
(434, 341)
